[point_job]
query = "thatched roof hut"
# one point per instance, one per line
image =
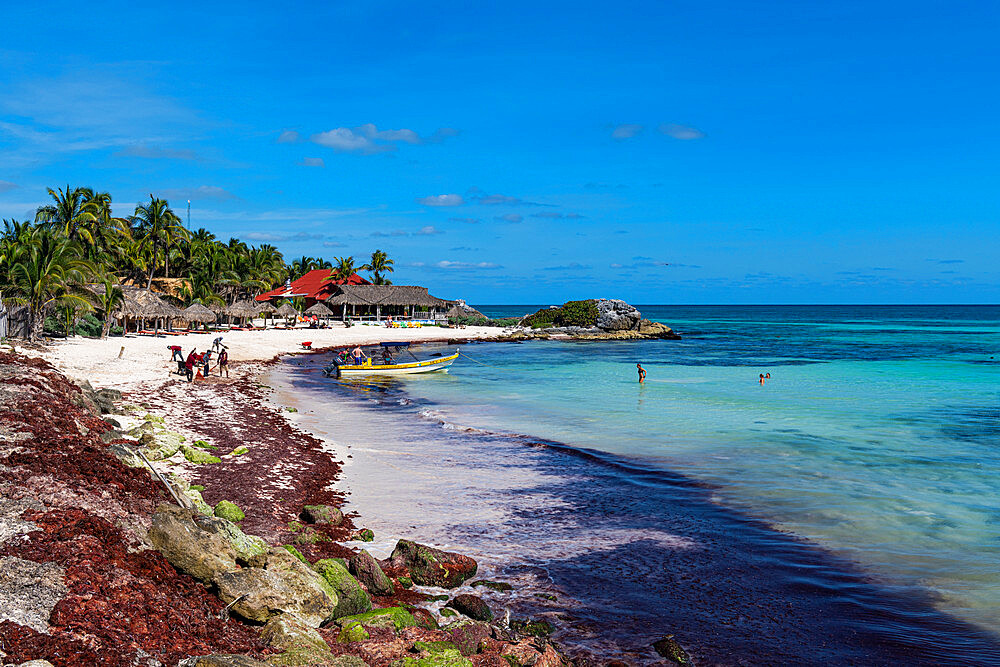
(141, 303)
(244, 309)
(286, 310)
(462, 309)
(197, 313)
(385, 295)
(320, 310)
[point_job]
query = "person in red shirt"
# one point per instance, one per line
(189, 364)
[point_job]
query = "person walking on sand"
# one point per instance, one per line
(224, 362)
(642, 373)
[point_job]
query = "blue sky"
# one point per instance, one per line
(662, 152)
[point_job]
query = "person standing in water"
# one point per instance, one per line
(762, 379)
(642, 373)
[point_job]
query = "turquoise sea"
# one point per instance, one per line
(846, 512)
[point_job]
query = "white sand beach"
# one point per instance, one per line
(134, 360)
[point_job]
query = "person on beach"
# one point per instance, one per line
(224, 362)
(217, 343)
(178, 354)
(642, 373)
(359, 356)
(189, 363)
(206, 360)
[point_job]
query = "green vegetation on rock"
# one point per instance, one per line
(395, 617)
(493, 585)
(354, 632)
(197, 487)
(531, 627)
(240, 451)
(446, 612)
(364, 535)
(570, 314)
(201, 444)
(197, 456)
(405, 582)
(153, 418)
(352, 598)
(446, 658)
(228, 510)
(298, 554)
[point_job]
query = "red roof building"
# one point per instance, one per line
(313, 287)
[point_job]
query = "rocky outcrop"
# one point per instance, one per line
(669, 648)
(351, 596)
(472, 606)
(322, 515)
(616, 315)
(428, 566)
(468, 635)
(159, 446)
(363, 566)
(221, 660)
(29, 591)
(188, 547)
(298, 640)
(283, 585)
(250, 549)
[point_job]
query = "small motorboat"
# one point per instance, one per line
(389, 363)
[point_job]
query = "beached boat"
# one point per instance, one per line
(389, 364)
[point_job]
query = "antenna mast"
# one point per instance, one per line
(189, 215)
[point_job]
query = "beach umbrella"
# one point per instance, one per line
(197, 313)
(265, 307)
(320, 310)
(243, 309)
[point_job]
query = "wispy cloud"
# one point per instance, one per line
(441, 200)
(289, 137)
(7, 186)
(510, 217)
(642, 263)
(202, 192)
(270, 237)
(478, 196)
(367, 139)
(312, 162)
(429, 230)
(468, 221)
(389, 234)
(149, 152)
(572, 266)
(554, 215)
(947, 261)
(465, 266)
(626, 131)
(682, 132)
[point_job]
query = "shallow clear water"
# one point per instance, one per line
(877, 439)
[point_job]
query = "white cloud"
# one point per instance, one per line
(429, 230)
(146, 151)
(510, 217)
(468, 221)
(442, 200)
(265, 236)
(312, 162)
(7, 186)
(446, 264)
(552, 215)
(367, 139)
(202, 192)
(682, 132)
(626, 131)
(289, 137)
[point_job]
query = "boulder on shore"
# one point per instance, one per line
(364, 566)
(352, 598)
(188, 547)
(322, 515)
(472, 606)
(428, 566)
(616, 315)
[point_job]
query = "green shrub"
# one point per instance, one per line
(570, 314)
(484, 321)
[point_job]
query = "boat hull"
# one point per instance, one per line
(427, 366)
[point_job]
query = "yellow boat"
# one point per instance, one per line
(370, 366)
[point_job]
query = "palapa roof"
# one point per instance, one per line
(137, 302)
(265, 307)
(385, 295)
(460, 309)
(244, 309)
(319, 309)
(313, 285)
(197, 313)
(286, 310)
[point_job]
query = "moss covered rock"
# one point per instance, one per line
(228, 510)
(198, 456)
(298, 554)
(472, 606)
(250, 549)
(160, 446)
(300, 643)
(322, 515)
(492, 585)
(390, 617)
(445, 658)
(240, 451)
(428, 566)
(353, 632)
(364, 535)
(352, 598)
(367, 570)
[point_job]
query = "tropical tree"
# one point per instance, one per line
(343, 269)
(46, 267)
(68, 309)
(379, 264)
(160, 228)
(72, 211)
(107, 301)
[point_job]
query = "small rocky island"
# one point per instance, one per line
(593, 319)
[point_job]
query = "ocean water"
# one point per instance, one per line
(845, 512)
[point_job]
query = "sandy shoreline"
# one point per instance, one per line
(146, 359)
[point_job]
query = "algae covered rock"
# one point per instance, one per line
(443, 658)
(221, 660)
(228, 510)
(492, 585)
(159, 446)
(352, 598)
(353, 632)
(299, 641)
(250, 549)
(428, 566)
(534, 628)
(240, 451)
(364, 535)
(468, 635)
(322, 515)
(389, 617)
(188, 547)
(198, 456)
(125, 454)
(285, 584)
(363, 566)
(472, 606)
(670, 649)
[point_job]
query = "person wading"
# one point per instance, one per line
(642, 373)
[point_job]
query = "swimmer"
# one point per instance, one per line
(762, 379)
(642, 373)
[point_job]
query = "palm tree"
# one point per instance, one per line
(160, 228)
(107, 301)
(44, 268)
(71, 212)
(379, 265)
(343, 269)
(69, 308)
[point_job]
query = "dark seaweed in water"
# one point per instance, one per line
(740, 592)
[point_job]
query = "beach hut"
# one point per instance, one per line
(319, 310)
(197, 314)
(266, 308)
(244, 310)
(287, 311)
(397, 300)
(142, 305)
